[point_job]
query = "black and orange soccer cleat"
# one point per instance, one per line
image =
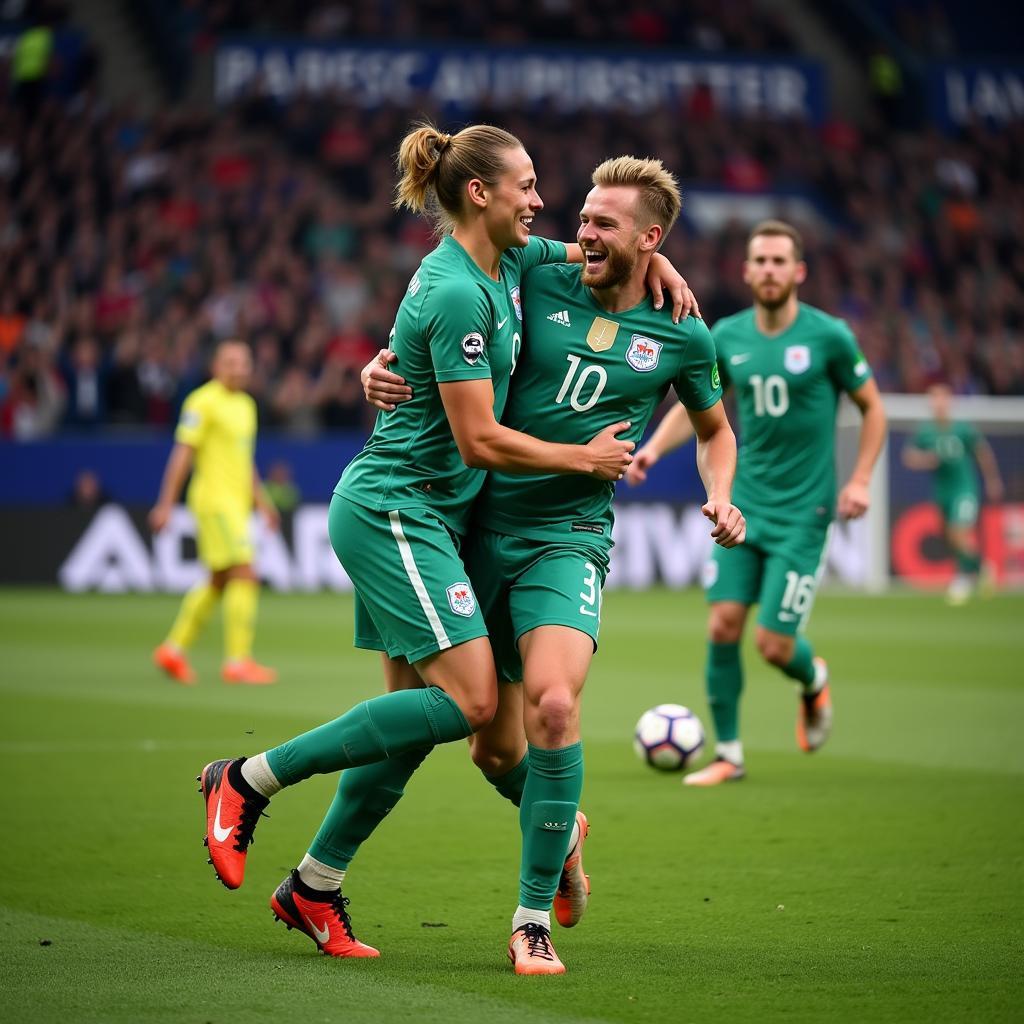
(325, 921)
(531, 952)
(574, 885)
(233, 808)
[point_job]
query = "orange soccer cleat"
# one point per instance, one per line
(531, 952)
(172, 661)
(814, 712)
(325, 921)
(233, 808)
(247, 673)
(715, 774)
(574, 885)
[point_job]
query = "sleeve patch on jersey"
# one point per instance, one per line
(517, 303)
(190, 419)
(472, 347)
(643, 353)
(716, 381)
(860, 368)
(797, 358)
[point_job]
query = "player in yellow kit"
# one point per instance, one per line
(216, 439)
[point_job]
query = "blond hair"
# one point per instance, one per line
(436, 166)
(779, 228)
(659, 201)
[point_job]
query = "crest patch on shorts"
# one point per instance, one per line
(461, 599)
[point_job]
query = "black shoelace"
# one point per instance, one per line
(538, 941)
(252, 811)
(338, 905)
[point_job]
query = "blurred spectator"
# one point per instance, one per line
(278, 483)
(87, 491)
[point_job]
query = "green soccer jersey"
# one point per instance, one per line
(454, 323)
(787, 390)
(954, 444)
(582, 369)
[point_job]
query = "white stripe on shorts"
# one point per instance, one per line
(417, 582)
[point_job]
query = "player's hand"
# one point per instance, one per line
(611, 457)
(271, 517)
(636, 474)
(662, 277)
(159, 516)
(382, 388)
(730, 523)
(853, 500)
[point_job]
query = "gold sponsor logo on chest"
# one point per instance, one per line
(601, 335)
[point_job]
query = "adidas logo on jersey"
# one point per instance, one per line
(561, 317)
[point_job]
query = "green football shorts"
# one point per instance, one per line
(778, 566)
(413, 596)
(524, 583)
(959, 509)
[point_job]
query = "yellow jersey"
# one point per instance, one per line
(220, 426)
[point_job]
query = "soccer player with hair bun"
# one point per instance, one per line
(401, 509)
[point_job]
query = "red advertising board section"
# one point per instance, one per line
(921, 556)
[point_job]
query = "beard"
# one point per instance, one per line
(617, 268)
(776, 301)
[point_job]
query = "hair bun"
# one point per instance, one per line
(444, 140)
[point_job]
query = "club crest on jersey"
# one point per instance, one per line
(461, 599)
(643, 354)
(517, 303)
(472, 347)
(796, 358)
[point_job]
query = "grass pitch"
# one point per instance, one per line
(879, 880)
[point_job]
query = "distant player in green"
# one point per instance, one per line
(953, 451)
(400, 508)
(538, 550)
(788, 363)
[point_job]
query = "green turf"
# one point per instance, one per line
(879, 880)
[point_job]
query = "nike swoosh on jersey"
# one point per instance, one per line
(219, 832)
(736, 360)
(322, 935)
(501, 323)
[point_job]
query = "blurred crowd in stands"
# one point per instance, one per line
(130, 245)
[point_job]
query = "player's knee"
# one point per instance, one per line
(555, 713)
(774, 648)
(479, 708)
(724, 628)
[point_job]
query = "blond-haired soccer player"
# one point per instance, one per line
(216, 438)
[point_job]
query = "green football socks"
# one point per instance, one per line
(510, 785)
(376, 729)
(547, 814)
(365, 797)
(724, 681)
(801, 665)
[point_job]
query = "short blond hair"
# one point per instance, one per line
(779, 228)
(659, 201)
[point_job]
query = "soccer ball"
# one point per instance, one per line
(668, 737)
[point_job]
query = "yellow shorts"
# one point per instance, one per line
(223, 538)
